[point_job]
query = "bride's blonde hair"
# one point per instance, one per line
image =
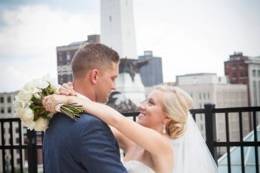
(176, 103)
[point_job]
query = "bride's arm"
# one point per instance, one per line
(147, 138)
(124, 142)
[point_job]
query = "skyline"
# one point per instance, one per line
(179, 32)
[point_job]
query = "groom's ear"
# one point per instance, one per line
(94, 75)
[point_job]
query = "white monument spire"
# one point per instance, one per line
(117, 32)
(117, 27)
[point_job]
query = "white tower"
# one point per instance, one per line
(117, 27)
(118, 32)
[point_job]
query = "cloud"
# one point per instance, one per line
(190, 37)
(196, 37)
(30, 36)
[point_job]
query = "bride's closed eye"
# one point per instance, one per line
(151, 102)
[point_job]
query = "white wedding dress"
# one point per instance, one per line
(134, 166)
(191, 154)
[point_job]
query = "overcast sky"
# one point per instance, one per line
(190, 36)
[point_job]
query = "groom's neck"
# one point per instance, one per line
(84, 90)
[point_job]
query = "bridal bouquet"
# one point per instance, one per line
(29, 108)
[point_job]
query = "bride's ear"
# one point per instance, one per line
(166, 119)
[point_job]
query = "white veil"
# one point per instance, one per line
(191, 152)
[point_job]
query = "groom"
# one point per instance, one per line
(85, 145)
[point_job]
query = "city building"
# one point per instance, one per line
(64, 57)
(236, 68)
(10, 131)
(254, 80)
(208, 88)
(151, 73)
(242, 69)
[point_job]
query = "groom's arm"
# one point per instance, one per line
(99, 150)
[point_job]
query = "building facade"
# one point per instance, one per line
(246, 70)
(151, 73)
(242, 69)
(236, 68)
(208, 88)
(65, 55)
(10, 131)
(254, 80)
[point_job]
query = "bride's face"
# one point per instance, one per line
(151, 111)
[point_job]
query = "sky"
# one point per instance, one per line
(190, 36)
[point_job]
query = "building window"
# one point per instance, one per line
(17, 140)
(18, 160)
(68, 57)
(2, 110)
(9, 110)
(258, 94)
(65, 78)
(254, 93)
(1, 99)
(200, 96)
(9, 99)
(254, 73)
(60, 59)
(17, 130)
(258, 73)
(204, 96)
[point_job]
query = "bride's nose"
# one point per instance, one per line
(141, 106)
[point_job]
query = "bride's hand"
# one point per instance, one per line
(67, 89)
(51, 102)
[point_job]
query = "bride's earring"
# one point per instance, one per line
(164, 129)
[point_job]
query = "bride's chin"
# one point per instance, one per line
(141, 122)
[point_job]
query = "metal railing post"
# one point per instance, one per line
(32, 152)
(210, 125)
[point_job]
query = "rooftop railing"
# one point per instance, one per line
(21, 149)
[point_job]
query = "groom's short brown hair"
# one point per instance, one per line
(94, 55)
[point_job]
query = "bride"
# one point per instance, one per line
(165, 138)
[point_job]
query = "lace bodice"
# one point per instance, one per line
(134, 166)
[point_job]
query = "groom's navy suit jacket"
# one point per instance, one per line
(85, 145)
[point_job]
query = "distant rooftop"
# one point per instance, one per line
(198, 74)
(95, 38)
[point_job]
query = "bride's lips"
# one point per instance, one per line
(141, 114)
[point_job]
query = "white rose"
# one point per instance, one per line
(26, 114)
(24, 96)
(29, 124)
(37, 95)
(41, 124)
(42, 84)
